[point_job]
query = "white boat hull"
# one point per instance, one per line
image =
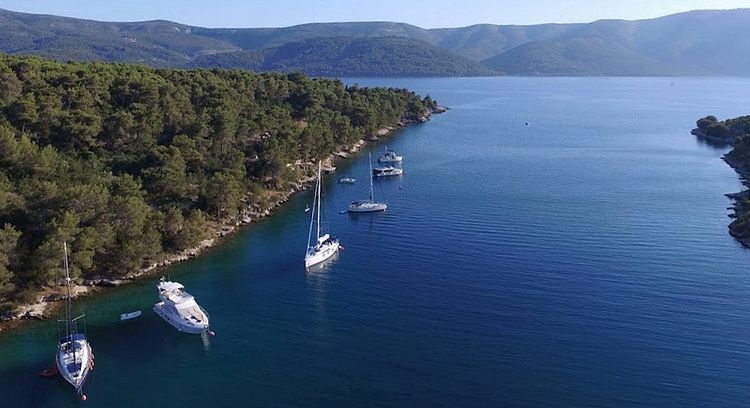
(75, 367)
(368, 208)
(396, 160)
(390, 173)
(131, 315)
(322, 254)
(177, 322)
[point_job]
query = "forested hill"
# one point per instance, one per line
(704, 42)
(360, 49)
(127, 163)
(346, 56)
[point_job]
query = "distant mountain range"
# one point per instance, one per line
(692, 43)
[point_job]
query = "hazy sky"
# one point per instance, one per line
(424, 13)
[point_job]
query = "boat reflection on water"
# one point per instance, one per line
(206, 339)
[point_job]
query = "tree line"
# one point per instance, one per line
(127, 163)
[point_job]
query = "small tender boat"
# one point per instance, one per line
(180, 309)
(366, 206)
(325, 246)
(131, 315)
(390, 157)
(75, 357)
(386, 171)
(347, 180)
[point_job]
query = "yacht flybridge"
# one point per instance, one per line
(365, 206)
(75, 358)
(180, 309)
(390, 157)
(325, 246)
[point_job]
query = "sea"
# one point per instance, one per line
(553, 242)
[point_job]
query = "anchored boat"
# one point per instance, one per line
(180, 309)
(75, 357)
(365, 206)
(388, 171)
(325, 246)
(390, 157)
(130, 316)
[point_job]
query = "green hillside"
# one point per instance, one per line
(346, 56)
(579, 56)
(692, 43)
(128, 163)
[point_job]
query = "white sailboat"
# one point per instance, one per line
(75, 358)
(325, 246)
(366, 206)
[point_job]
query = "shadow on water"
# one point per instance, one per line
(712, 143)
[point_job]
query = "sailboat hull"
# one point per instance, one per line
(75, 367)
(367, 208)
(321, 254)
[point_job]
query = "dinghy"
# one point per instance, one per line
(131, 315)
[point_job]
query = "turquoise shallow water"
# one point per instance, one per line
(580, 260)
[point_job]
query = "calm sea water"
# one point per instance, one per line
(580, 260)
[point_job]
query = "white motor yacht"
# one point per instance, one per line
(387, 171)
(180, 309)
(390, 157)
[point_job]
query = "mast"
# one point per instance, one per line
(70, 328)
(320, 164)
(68, 305)
(312, 216)
(371, 195)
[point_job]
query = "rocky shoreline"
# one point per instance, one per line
(49, 298)
(738, 198)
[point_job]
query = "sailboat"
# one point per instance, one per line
(365, 206)
(75, 358)
(325, 246)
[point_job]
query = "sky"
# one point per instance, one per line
(423, 13)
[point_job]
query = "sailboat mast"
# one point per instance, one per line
(320, 164)
(312, 217)
(371, 194)
(68, 305)
(70, 329)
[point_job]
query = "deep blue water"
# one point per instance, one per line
(580, 260)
